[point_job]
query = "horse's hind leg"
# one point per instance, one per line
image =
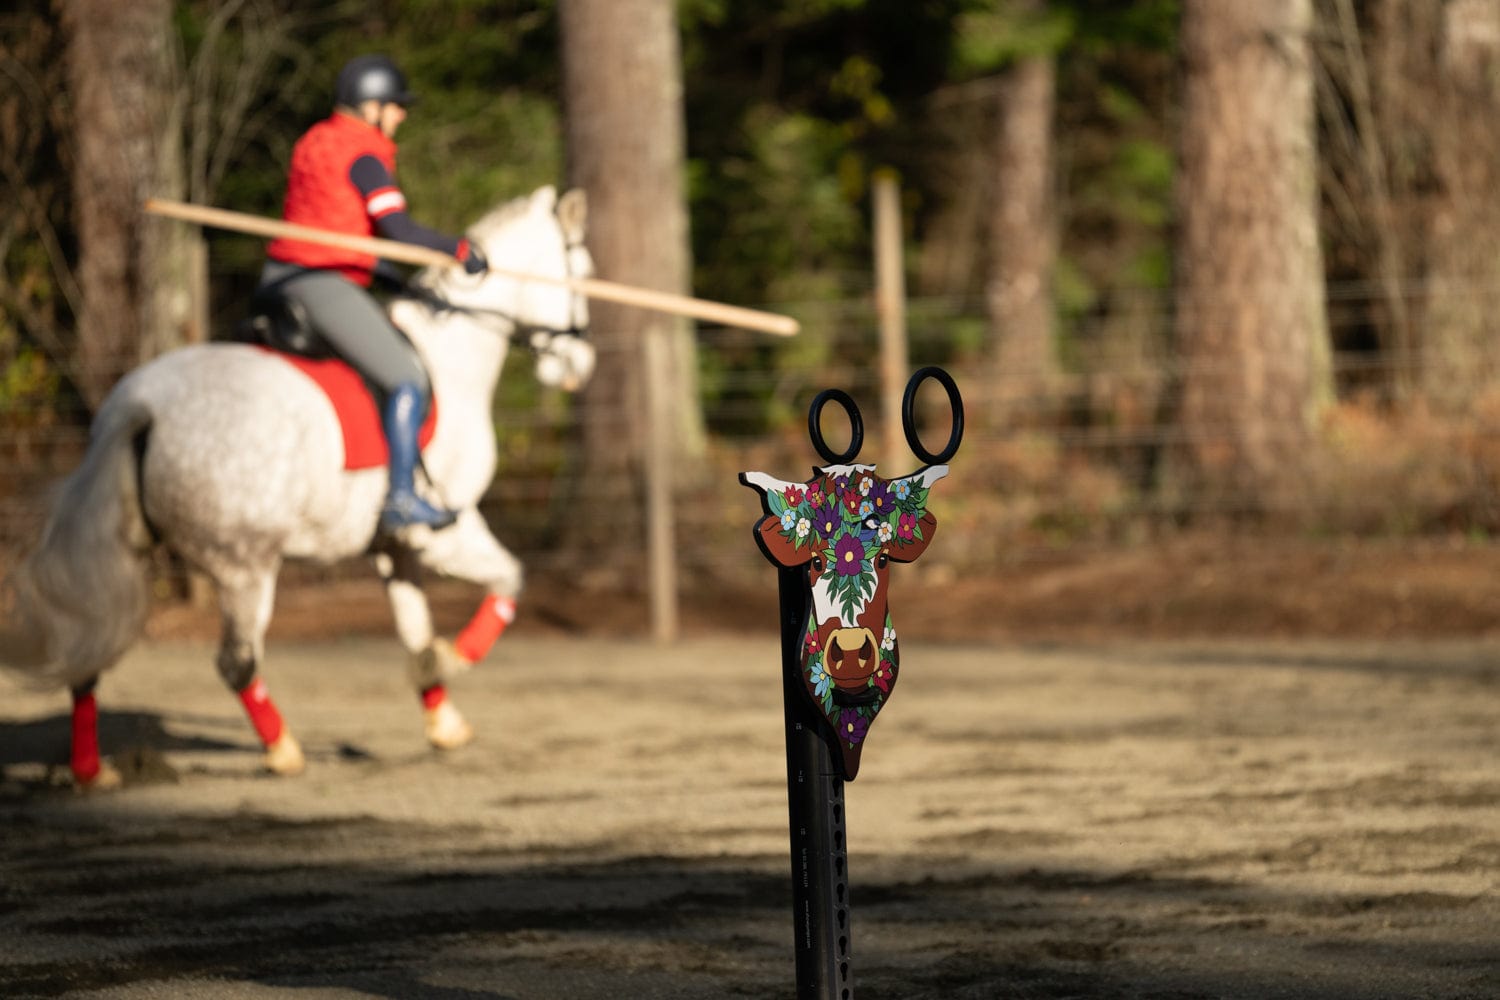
(89, 770)
(245, 601)
(431, 661)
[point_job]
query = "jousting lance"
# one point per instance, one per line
(407, 253)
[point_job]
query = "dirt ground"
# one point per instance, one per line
(1190, 772)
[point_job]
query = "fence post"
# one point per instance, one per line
(661, 566)
(890, 309)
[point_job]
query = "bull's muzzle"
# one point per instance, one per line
(850, 657)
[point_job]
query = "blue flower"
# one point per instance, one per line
(788, 520)
(821, 682)
(903, 488)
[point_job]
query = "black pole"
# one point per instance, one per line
(815, 810)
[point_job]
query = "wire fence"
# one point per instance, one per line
(1079, 469)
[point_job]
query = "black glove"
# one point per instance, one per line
(473, 258)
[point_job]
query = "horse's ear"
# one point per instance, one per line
(573, 213)
(544, 199)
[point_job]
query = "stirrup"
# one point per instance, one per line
(404, 510)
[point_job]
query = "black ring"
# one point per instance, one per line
(909, 419)
(856, 426)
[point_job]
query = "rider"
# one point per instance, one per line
(342, 179)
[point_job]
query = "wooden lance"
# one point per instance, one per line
(407, 253)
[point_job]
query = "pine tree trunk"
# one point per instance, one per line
(626, 148)
(1251, 323)
(1023, 244)
(132, 271)
(1460, 352)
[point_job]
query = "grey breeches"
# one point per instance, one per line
(353, 324)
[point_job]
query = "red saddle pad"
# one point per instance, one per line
(364, 441)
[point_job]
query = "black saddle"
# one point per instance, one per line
(282, 324)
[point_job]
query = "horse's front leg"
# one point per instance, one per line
(431, 660)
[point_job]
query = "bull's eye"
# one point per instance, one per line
(817, 564)
(881, 560)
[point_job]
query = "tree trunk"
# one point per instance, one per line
(1250, 318)
(622, 78)
(1023, 244)
(132, 271)
(1460, 354)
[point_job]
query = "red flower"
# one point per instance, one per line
(905, 526)
(793, 496)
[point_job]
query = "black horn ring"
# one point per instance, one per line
(856, 426)
(909, 416)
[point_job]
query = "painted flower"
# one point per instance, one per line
(866, 508)
(815, 497)
(852, 726)
(903, 488)
(888, 641)
(802, 528)
(865, 485)
(788, 520)
(818, 676)
(852, 500)
(906, 527)
(849, 556)
(827, 521)
(810, 643)
(794, 495)
(840, 484)
(885, 675)
(879, 498)
(884, 531)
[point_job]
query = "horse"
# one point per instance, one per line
(233, 458)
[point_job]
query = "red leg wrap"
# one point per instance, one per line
(485, 627)
(262, 711)
(434, 696)
(85, 760)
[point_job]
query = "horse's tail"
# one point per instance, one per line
(79, 601)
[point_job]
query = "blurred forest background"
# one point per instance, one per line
(1208, 269)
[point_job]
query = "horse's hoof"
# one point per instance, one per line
(284, 757)
(446, 728)
(104, 780)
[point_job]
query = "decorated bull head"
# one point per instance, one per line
(847, 525)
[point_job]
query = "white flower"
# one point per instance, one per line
(865, 485)
(888, 641)
(885, 531)
(803, 527)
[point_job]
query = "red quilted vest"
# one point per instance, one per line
(319, 193)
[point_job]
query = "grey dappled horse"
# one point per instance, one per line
(231, 457)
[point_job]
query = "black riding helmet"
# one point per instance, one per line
(371, 78)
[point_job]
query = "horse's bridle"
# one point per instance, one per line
(521, 332)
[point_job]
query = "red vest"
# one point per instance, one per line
(319, 193)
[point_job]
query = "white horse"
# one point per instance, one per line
(234, 459)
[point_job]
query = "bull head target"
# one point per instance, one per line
(846, 526)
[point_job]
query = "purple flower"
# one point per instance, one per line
(827, 520)
(852, 726)
(880, 500)
(849, 555)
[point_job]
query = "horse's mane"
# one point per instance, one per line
(431, 279)
(499, 217)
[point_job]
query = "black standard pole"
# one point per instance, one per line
(815, 810)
